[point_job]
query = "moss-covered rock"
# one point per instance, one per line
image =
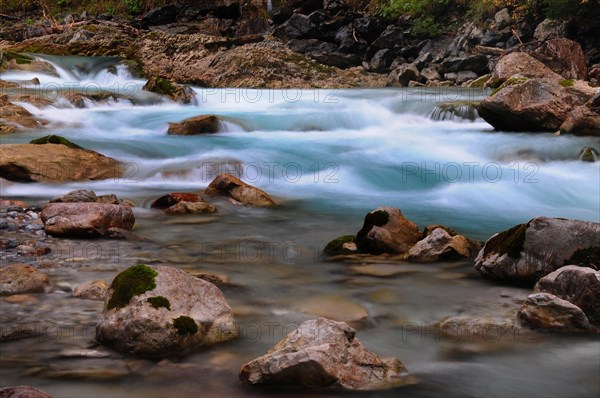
(131, 282)
(336, 246)
(185, 325)
(167, 312)
(159, 302)
(55, 139)
(527, 252)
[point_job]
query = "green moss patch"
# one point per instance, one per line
(55, 139)
(163, 86)
(159, 302)
(336, 246)
(566, 82)
(185, 325)
(510, 242)
(590, 256)
(131, 282)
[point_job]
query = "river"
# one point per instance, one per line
(329, 157)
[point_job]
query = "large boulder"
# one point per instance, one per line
(532, 104)
(548, 312)
(238, 192)
(323, 353)
(86, 220)
(578, 285)
(530, 251)
(14, 117)
(21, 278)
(159, 311)
(564, 57)
(205, 124)
(522, 64)
(299, 26)
(584, 119)
(22, 392)
(386, 230)
(55, 163)
(440, 245)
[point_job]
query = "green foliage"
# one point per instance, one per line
(133, 6)
(131, 282)
(159, 302)
(185, 325)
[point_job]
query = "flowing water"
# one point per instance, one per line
(328, 156)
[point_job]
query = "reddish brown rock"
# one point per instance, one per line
(205, 124)
(21, 278)
(548, 312)
(386, 230)
(563, 56)
(238, 191)
(86, 219)
(522, 64)
(170, 199)
(200, 207)
(22, 392)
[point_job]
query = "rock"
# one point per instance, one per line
(381, 60)
(440, 246)
(460, 77)
(473, 328)
(431, 74)
(158, 311)
(200, 207)
(268, 63)
(176, 92)
(93, 290)
(171, 199)
(491, 38)
(299, 26)
(548, 29)
(530, 251)
(14, 117)
(54, 163)
(337, 246)
(547, 312)
(531, 105)
(502, 18)
(577, 285)
(402, 75)
(78, 196)
(349, 42)
(386, 230)
(393, 36)
(369, 27)
(564, 57)
(422, 60)
(159, 16)
(474, 63)
(323, 353)
(21, 278)
(238, 192)
(522, 64)
(584, 119)
(205, 124)
(86, 220)
(22, 392)
(588, 154)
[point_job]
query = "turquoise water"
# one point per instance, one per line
(328, 156)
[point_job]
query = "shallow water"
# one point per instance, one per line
(329, 156)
